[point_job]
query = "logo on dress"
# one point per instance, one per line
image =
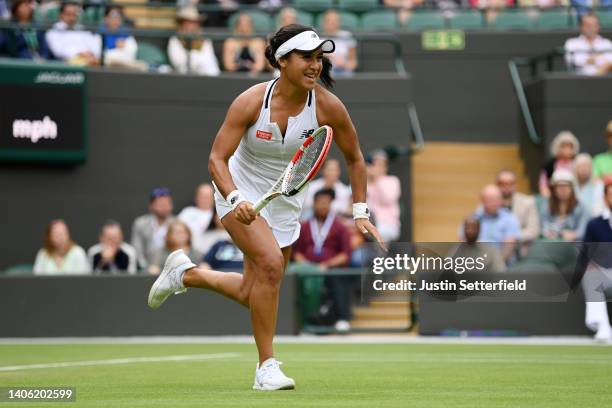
(263, 135)
(306, 133)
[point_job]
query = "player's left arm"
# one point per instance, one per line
(331, 111)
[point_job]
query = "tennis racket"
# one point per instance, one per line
(303, 167)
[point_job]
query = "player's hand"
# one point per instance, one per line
(367, 228)
(245, 212)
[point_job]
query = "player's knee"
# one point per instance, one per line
(271, 269)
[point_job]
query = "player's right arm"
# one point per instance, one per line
(242, 113)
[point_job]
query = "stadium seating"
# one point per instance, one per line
(358, 6)
(514, 20)
(425, 20)
(261, 21)
(379, 20)
(467, 20)
(554, 20)
(93, 16)
(605, 19)
(303, 18)
(316, 6)
(151, 54)
(349, 21)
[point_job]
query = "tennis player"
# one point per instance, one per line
(263, 129)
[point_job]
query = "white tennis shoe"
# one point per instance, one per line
(170, 280)
(269, 377)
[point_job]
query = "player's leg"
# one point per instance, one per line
(233, 285)
(264, 260)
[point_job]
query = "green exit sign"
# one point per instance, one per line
(443, 40)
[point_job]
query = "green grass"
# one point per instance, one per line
(327, 375)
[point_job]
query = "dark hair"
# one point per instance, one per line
(112, 7)
(325, 192)
(285, 33)
(607, 187)
(111, 223)
(15, 5)
(554, 203)
(66, 4)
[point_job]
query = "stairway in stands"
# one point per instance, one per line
(446, 182)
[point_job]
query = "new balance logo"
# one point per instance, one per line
(306, 133)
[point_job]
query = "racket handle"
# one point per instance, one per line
(260, 205)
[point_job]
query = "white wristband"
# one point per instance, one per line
(361, 210)
(234, 198)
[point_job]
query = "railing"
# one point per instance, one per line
(533, 64)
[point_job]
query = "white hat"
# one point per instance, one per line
(188, 13)
(562, 176)
(304, 41)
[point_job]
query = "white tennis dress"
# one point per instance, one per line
(260, 159)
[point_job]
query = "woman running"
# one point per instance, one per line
(263, 129)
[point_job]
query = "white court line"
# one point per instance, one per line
(161, 359)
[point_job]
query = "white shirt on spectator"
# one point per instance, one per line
(123, 55)
(579, 49)
(198, 221)
(202, 61)
(344, 42)
(68, 43)
(340, 205)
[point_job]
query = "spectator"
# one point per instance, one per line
(583, 7)
(119, 46)
(149, 230)
(589, 53)
(497, 224)
(192, 55)
(563, 217)
(588, 189)
(492, 8)
(199, 217)
(216, 233)
(326, 242)
(286, 16)
(70, 42)
(224, 255)
(598, 275)
(404, 7)
(563, 149)
(243, 53)
(60, 255)
(178, 237)
(112, 255)
(523, 207)
(602, 164)
(344, 57)
(330, 179)
(543, 4)
(472, 248)
(383, 197)
(27, 41)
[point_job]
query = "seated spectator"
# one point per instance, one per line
(330, 179)
(563, 149)
(361, 254)
(523, 207)
(224, 255)
(588, 189)
(563, 217)
(286, 16)
(112, 255)
(149, 230)
(344, 57)
(492, 8)
(25, 42)
(602, 163)
(119, 46)
(497, 224)
(326, 242)
(589, 53)
(243, 53)
(60, 255)
(216, 232)
(598, 275)
(199, 217)
(69, 41)
(404, 7)
(582, 7)
(198, 51)
(384, 192)
(543, 4)
(178, 237)
(472, 248)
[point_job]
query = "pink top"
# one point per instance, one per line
(383, 200)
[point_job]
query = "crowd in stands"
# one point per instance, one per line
(78, 36)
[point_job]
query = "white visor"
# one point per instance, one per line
(305, 41)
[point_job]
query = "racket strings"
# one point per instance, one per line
(306, 162)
